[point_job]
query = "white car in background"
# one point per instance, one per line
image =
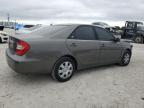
(3, 37)
(5, 33)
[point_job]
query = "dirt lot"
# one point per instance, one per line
(104, 87)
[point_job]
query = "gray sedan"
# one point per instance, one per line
(62, 49)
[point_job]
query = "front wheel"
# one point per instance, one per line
(139, 39)
(63, 69)
(126, 58)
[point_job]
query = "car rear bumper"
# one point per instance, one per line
(26, 66)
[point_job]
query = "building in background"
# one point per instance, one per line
(7, 24)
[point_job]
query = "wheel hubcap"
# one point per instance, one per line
(65, 70)
(126, 58)
(138, 39)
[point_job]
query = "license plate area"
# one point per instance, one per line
(12, 44)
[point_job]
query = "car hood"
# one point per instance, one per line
(126, 40)
(140, 31)
(3, 32)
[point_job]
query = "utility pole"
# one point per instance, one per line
(15, 26)
(8, 17)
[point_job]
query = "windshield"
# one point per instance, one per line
(33, 28)
(140, 27)
(140, 24)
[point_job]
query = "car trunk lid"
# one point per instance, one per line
(12, 44)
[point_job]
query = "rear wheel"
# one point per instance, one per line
(139, 39)
(64, 69)
(126, 58)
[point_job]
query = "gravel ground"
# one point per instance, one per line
(104, 87)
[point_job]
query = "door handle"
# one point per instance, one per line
(102, 45)
(73, 45)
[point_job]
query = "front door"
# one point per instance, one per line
(110, 51)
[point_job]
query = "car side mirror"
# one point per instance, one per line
(116, 39)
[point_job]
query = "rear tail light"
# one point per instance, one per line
(22, 48)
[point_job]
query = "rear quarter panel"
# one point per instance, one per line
(47, 51)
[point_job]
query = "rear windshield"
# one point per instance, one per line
(33, 28)
(49, 30)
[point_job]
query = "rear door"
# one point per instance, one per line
(84, 46)
(110, 51)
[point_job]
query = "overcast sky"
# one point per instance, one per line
(60, 11)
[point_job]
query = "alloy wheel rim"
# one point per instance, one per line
(65, 70)
(126, 58)
(138, 39)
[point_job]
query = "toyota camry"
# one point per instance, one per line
(61, 50)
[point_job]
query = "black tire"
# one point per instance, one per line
(55, 72)
(125, 61)
(139, 39)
